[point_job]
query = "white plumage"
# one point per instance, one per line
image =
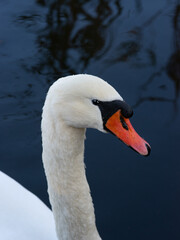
(23, 216)
(67, 112)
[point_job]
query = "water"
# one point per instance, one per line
(135, 46)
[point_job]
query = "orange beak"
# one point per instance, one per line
(122, 128)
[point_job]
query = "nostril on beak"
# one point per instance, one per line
(148, 149)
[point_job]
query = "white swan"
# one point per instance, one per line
(73, 104)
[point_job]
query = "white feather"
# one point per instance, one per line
(23, 216)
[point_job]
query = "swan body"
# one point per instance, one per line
(73, 104)
(23, 216)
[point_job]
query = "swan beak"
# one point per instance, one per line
(122, 128)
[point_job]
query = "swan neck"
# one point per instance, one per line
(63, 159)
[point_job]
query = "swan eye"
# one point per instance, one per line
(95, 102)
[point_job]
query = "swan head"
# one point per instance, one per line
(86, 101)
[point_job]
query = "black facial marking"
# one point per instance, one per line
(123, 123)
(109, 108)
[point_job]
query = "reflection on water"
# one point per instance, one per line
(133, 47)
(173, 66)
(75, 34)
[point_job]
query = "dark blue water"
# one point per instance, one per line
(135, 46)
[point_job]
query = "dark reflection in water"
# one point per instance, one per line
(135, 45)
(173, 66)
(75, 34)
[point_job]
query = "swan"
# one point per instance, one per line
(72, 104)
